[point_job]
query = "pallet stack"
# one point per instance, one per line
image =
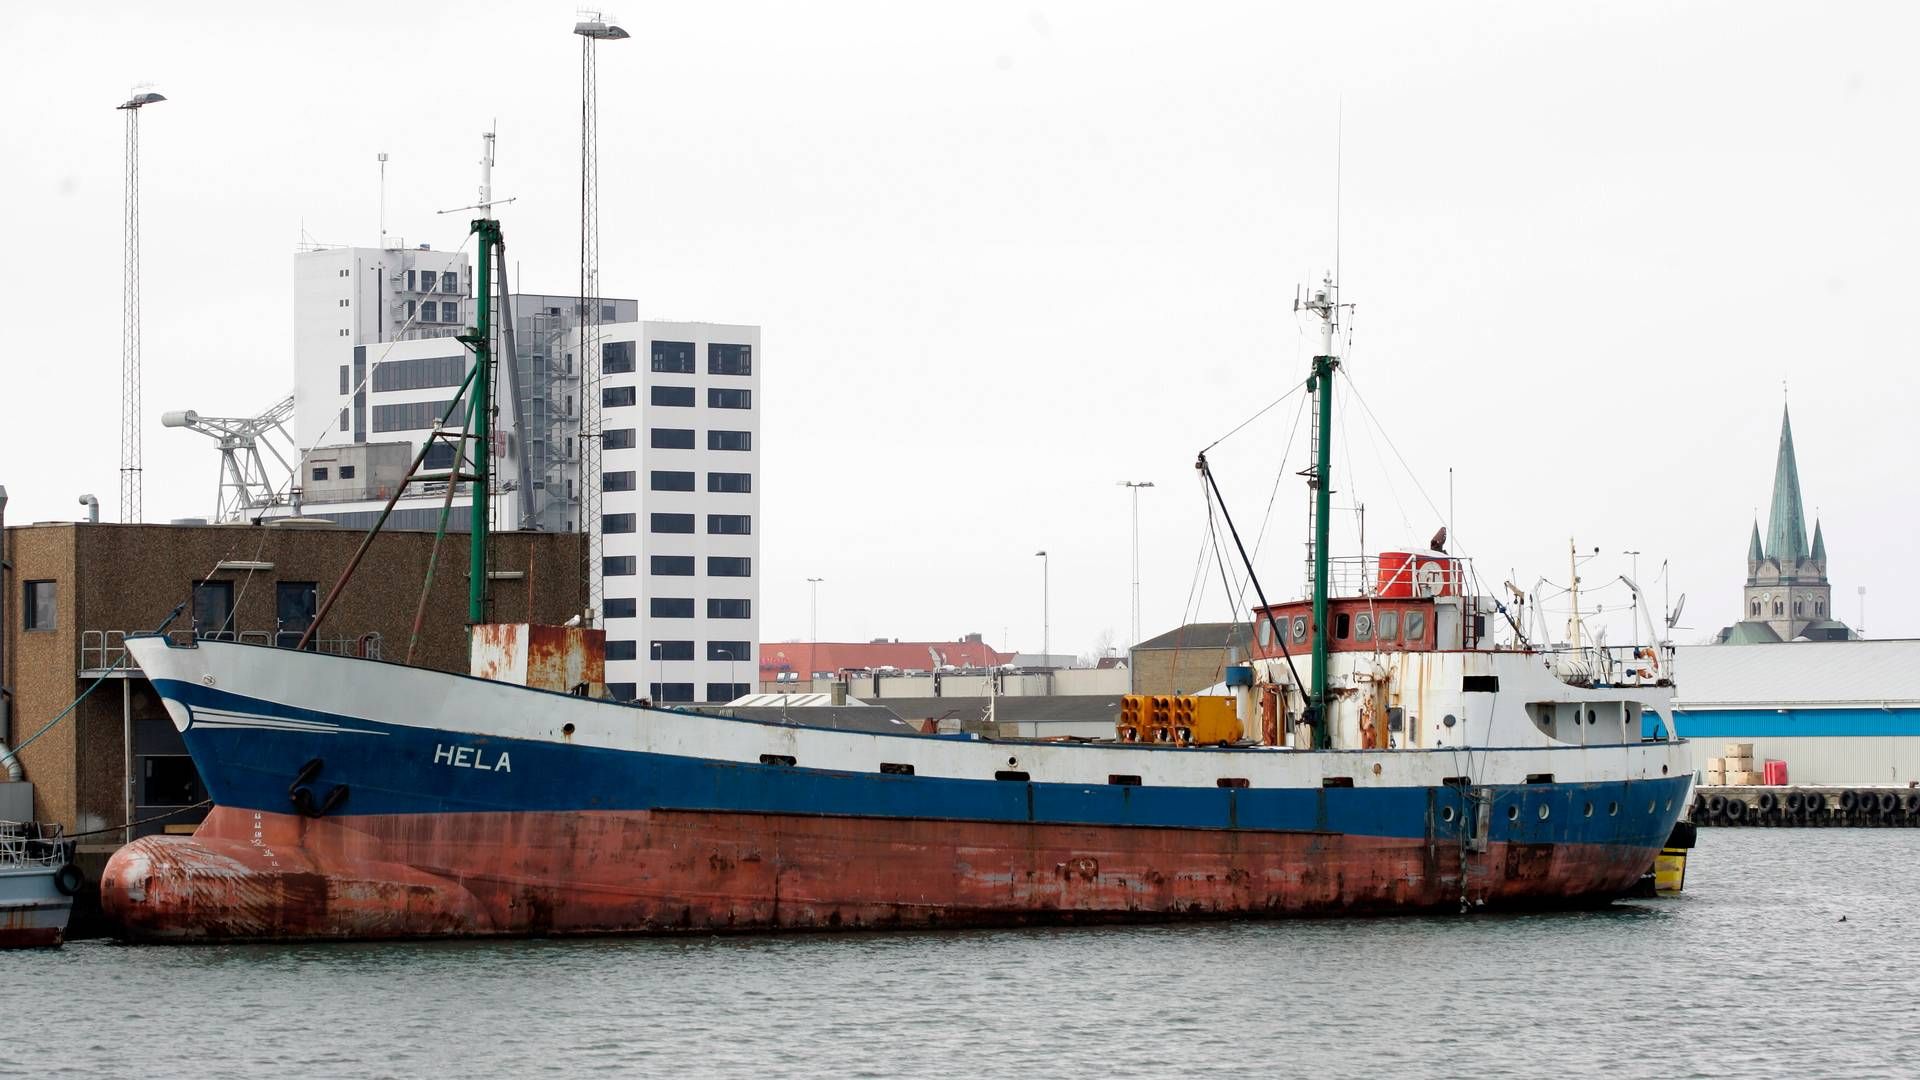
(1735, 769)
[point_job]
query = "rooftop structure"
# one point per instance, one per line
(803, 661)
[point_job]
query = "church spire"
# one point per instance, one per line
(1819, 545)
(1787, 524)
(1754, 552)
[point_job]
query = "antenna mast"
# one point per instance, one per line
(130, 509)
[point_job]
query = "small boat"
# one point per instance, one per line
(37, 883)
(1387, 749)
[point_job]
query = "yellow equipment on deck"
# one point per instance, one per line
(1182, 719)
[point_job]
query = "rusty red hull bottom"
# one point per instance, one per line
(33, 937)
(259, 876)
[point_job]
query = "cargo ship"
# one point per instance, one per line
(1395, 747)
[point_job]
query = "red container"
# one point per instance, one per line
(1396, 575)
(1774, 773)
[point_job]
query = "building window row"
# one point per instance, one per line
(682, 607)
(736, 651)
(617, 481)
(676, 397)
(417, 374)
(676, 358)
(409, 415)
(617, 439)
(684, 439)
(733, 566)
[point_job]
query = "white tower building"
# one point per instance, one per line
(680, 504)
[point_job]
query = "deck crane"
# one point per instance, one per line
(244, 485)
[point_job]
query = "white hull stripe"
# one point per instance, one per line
(222, 718)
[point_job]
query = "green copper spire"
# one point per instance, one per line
(1819, 546)
(1755, 553)
(1787, 525)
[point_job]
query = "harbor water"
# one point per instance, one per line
(1792, 953)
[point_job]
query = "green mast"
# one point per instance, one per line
(482, 412)
(1324, 303)
(487, 228)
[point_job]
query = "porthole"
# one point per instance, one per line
(1299, 629)
(1663, 770)
(1589, 811)
(567, 731)
(1513, 813)
(1013, 761)
(1613, 809)
(1446, 813)
(1543, 811)
(1449, 720)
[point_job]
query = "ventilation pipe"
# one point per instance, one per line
(93, 508)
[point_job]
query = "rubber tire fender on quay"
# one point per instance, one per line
(69, 880)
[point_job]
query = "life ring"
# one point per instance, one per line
(69, 880)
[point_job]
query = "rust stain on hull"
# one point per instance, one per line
(247, 876)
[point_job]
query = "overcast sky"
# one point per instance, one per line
(1006, 255)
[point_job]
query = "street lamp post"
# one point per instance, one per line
(1134, 487)
(1046, 625)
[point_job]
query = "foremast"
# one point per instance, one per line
(487, 229)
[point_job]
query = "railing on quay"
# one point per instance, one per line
(102, 651)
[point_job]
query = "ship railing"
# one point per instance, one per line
(1359, 575)
(1610, 665)
(33, 843)
(105, 651)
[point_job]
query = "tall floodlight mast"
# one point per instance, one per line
(130, 317)
(592, 30)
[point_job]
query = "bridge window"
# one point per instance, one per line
(1416, 627)
(1388, 626)
(1342, 623)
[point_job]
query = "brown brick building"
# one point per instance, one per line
(74, 590)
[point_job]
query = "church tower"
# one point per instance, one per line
(1787, 594)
